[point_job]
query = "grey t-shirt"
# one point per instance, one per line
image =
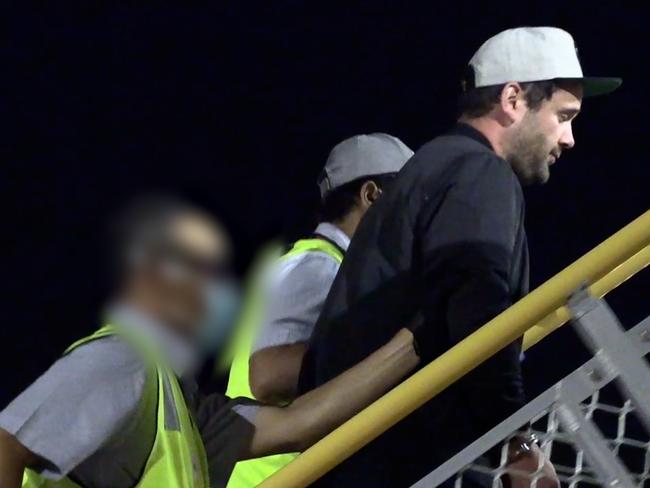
(296, 289)
(86, 418)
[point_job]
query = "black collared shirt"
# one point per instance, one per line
(444, 246)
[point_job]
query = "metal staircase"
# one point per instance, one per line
(594, 424)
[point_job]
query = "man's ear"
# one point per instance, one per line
(368, 193)
(512, 103)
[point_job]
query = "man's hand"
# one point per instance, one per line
(521, 470)
(14, 458)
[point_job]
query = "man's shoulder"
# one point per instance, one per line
(458, 149)
(455, 158)
(107, 355)
(312, 265)
(108, 368)
(445, 158)
(85, 398)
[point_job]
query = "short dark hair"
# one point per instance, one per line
(142, 224)
(476, 102)
(340, 202)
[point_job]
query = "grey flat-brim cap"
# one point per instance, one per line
(527, 54)
(362, 156)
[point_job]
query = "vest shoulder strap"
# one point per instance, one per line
(316, 243)
(105, 331)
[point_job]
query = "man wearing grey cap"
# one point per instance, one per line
(445, 250)
(267, 362)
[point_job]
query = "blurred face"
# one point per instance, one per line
(195, 258)
(538, 138)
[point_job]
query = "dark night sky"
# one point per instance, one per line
(236, 105)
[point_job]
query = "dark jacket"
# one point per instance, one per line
(445, 247)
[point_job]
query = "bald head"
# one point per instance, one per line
(167, 252)
(157, 225)
(195, 234)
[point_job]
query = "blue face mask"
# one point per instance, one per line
(222, 300)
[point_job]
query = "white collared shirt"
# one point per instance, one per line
(296, 290)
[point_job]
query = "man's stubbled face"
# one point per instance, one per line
(542, 134)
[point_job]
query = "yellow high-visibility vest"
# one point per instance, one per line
(177, 458)
(248, 474)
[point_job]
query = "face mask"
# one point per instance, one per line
(222, 301)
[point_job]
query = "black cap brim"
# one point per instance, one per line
(594, 86)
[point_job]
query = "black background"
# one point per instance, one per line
(236, 105)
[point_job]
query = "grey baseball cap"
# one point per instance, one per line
(362, 156)
(534, 54)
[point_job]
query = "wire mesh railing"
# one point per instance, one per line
(587, 424)
(571, 465)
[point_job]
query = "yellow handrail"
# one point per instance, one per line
(599, 289)
(609, 256)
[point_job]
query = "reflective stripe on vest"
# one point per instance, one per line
(248, 474)
(177, 458)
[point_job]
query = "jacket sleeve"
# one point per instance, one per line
(467, 241)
